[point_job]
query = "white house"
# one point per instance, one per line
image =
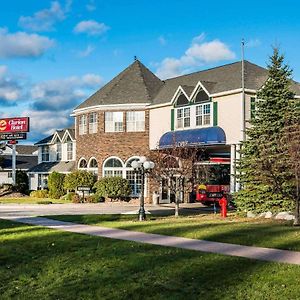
(55, 153)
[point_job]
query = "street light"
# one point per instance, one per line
(142, 166)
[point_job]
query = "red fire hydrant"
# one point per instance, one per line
(223, 204)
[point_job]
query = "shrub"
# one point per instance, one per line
(56, 185)
(68, 196)
(22, 182)
(76, 198)
(112, 187)
(39, 194)
(94, 198)
(79, 178)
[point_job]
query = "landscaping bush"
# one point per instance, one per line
(56, 185)
(76, 198)
(22, 182)
(79, 178)
(68, 196)
(94, 198)
(39, 194)
(112, 187)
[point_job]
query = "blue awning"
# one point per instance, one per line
(193, 137)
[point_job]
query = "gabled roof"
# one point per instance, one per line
(26, 149)
(60, 133)
(136, 84)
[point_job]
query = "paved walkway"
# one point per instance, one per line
(259, 253)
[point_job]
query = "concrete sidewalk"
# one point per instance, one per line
(259, 253)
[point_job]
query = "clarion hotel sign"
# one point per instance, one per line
(14, 124)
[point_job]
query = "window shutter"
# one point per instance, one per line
(172, 119)
(215, 115)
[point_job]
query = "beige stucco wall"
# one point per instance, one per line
(159, 123)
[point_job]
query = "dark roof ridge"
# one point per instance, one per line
(143, 77)
(213, 68)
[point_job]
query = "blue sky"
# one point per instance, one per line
(53, 54)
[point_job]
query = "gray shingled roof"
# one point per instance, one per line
(136, 84)
(23, 162)
(26, 149)
(48, 167)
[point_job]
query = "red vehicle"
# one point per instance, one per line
(213, 179)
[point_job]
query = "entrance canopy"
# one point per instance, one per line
(193, 137)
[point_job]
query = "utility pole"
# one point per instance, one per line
(14, 154)
(243, 92)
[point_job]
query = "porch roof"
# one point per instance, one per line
(193, 137)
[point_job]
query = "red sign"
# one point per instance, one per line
(14, 125)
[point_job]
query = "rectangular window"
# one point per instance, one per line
(203, 114)
(45, 153)
(135, 121)
(82, 125)
(93, 122)
(58, 151)
(9, 174)
(113, 173)
(113, 121)
(252, 107)
(69, 151)
(183, 117)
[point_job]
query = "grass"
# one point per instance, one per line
(251, 232)
(31, 200)
(40, 263)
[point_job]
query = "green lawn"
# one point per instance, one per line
(39, 263)
(31, 200)
(252, 232)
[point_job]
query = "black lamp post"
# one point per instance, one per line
(142, 166)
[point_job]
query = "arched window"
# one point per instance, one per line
(134, 178)
(93, 163)
(201, 97)
(113, 167)
(82, 164)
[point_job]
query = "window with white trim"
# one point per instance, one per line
(58, 151)
(135, 121)
(203, 114)
(134, 178)
(113, 121)
(82, 125)
(82, 164)
(69, 150)
(45, 153)
(93, 122)
(183, 117)
(113, 167)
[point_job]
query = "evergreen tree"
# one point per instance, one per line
(263, 172)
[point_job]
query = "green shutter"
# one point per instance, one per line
(215, 111)
(172, 119)
(252, 107)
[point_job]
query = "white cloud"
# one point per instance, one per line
(197, 54)
(62, 94)
(86, 52)
(91, 27)
(10, 89)
(162, 40)
(44, 20)
(91, 6)
(22, 44)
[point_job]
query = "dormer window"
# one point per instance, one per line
(183, 117)
(201, 96)
(182, 100)
(45, 153)
(58, 151)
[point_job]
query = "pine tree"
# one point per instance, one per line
(263, 171)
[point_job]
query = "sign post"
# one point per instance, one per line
(12, 129)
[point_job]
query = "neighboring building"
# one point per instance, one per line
(55, 153)
(26, 158)
(137, 112)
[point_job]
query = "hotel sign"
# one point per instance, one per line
(13, 136)
(10, 125)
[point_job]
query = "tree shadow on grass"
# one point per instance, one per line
(60, 265)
